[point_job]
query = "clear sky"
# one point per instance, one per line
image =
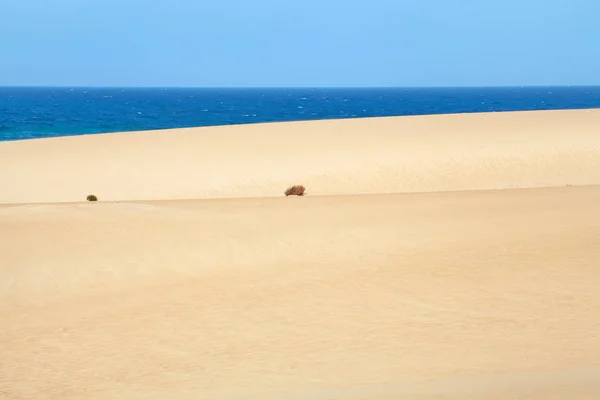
(294, 43)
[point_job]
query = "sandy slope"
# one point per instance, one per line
(452, 295)
(474, 294)
(379, 155)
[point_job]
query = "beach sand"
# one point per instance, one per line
(434, 257)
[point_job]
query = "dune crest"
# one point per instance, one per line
(355, 156)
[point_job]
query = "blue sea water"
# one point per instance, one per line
(44, 112)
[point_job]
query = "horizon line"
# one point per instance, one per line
(292, 87)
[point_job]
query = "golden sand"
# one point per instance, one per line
(362, 289)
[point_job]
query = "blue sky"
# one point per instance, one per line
(293, 43)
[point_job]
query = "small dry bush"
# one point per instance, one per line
(297, 190)
(92, 197)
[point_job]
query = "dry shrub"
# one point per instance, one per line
(92, 197)
(297, 190)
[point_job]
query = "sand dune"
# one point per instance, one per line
(374, 155)
(470, 294)
(452, 295)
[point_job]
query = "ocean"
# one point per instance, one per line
(27, 113)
